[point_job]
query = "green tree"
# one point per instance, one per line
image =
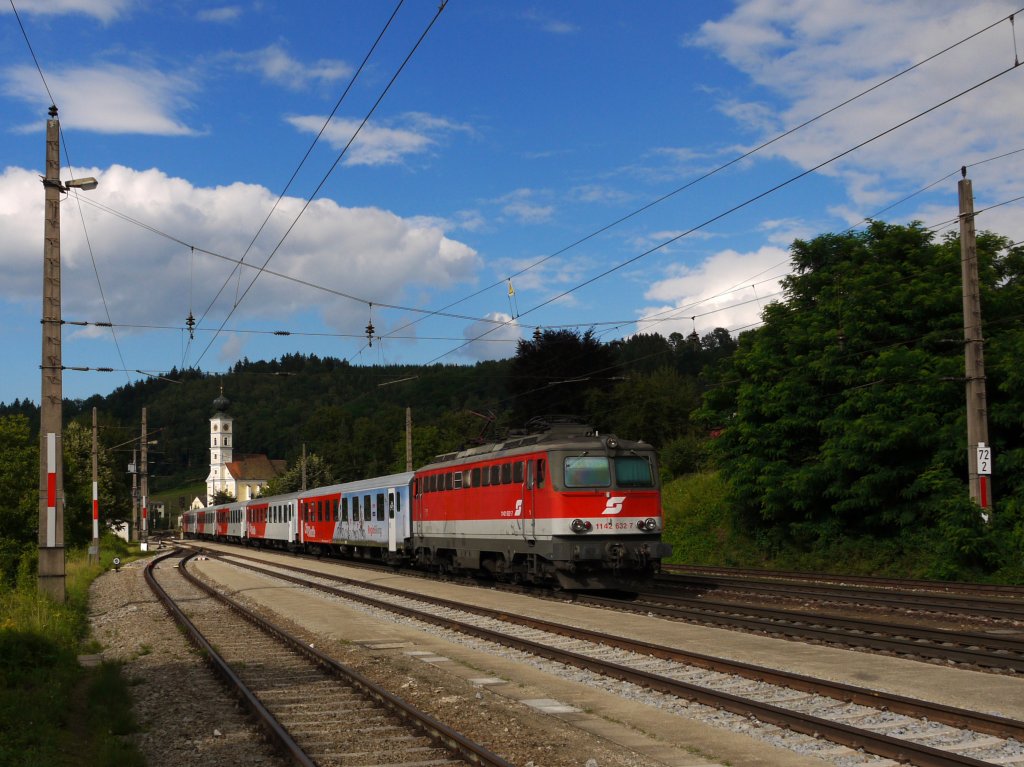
(223, 496)
(318, 474)
(553, 370)
(19, 493)
(844, 413)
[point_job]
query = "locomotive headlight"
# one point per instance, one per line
(580, 526)
(650, 524)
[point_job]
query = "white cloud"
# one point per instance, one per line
(220, 15)
(491, 340)
(520, 206)
(783, 231)
(807, 56)
(278, 66)
(379, 143)
(600, 193)
(104, 10)
(550, 24)
(109, 98)
(150, 280)
(728, 290)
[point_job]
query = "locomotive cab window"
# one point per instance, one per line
(587, 471)
(633, 471)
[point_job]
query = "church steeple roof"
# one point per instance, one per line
(222, 403)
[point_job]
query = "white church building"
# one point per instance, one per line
(242, 476)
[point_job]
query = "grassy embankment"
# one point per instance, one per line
(704, 531)
(53, 712)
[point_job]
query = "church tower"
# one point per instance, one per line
(221, 441)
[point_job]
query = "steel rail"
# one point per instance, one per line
(926, 602)
(951, 715)
(880, 636)
(960, 587)
(279, 736)
(434, 729)
(853, 737)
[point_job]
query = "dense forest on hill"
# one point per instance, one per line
(841, 418)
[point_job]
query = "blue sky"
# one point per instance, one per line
(514, 131)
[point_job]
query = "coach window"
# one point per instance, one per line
(366, 508)
(517, 472)
(380, 507)
(344, 509)
(355, 508)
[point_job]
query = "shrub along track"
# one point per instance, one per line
(795, 702)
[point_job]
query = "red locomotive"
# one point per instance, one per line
(562, 504)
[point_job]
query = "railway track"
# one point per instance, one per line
(977, 605)
(315, 710)
(991, 651)
(1001, 650)
(725, 574)
(856, 718)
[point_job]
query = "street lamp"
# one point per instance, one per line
(51, 462)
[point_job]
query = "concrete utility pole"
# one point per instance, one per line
(94, 549)
(51, 464)
(144, 469)
(134, 469)
(977, 407)
(51, 415)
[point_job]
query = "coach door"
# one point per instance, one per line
(393, 511)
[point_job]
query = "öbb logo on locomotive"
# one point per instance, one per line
(558, 504)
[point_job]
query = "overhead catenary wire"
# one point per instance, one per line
(67, 156)
(356, 298)
(877, 85)
(330, 170)
(309, 151)
(747, 202)
(725, 165)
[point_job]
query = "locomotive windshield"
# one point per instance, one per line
(587, 471)
(596, 471)
(633, 471)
